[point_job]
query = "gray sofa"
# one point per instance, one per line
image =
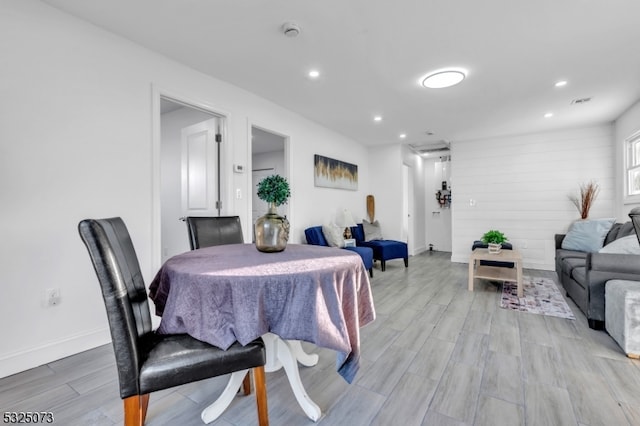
(583, 275)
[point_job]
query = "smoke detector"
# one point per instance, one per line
(291, 29)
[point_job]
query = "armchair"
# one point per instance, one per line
(383, 250)
(315, 236)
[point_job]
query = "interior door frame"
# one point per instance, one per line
(158, 92)
(287, 166)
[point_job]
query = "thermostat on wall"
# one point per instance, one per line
(238, 168)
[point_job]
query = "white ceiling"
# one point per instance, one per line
(371, 54)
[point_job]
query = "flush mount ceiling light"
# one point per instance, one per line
(314, 74)
(561, 83)
(443, 78)
(377, 118)
(548, 115)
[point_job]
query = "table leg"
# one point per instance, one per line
(289, 362)
(308, 360)
(519, 279)
(214, 410)
(471, 271)
(280, 353)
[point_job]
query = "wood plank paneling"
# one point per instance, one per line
(521, 185)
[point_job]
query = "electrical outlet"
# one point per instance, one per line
(52, 296)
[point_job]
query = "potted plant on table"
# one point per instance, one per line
(272, 230)
(494, 240)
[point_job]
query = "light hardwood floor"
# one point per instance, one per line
(437, 354)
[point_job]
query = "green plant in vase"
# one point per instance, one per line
(274, 189)
(272, 230)
(494, 239)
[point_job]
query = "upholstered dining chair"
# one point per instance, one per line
(214, 231)
(148, 361)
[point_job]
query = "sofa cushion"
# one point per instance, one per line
(624, 245)
(565, 254)
(570, 263)
(587, 235)
(579, 275)
(372, 231)
(315, 236)
(333, 234)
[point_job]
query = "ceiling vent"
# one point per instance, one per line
(430, 147)
(580, 101)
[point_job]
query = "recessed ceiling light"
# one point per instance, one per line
(548, 115)
(443, 78)
(314, 74)
(403, 135)
(377, 118)
(561, 83)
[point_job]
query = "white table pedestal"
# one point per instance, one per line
(280, 353)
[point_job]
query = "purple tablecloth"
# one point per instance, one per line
(234, 292)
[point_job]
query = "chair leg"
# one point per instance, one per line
(135, 410)
(246, 384)
(261, 395)
(383, 265)
(406, 262)
(371, 272)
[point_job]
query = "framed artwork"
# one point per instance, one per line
(331, 173)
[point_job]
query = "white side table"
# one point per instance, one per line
(350, 242)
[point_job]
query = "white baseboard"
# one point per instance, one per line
(17, 362)
(418, 250)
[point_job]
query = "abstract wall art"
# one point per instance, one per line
(332, 173)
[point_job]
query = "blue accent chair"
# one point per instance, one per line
(383, 250)
(315, 237)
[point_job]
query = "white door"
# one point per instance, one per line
(199, 169)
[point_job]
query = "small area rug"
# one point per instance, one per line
(541, 296)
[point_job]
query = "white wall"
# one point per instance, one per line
(386, 186)
(76, 135)
(274, 159)
(521, 186)
(626, 125)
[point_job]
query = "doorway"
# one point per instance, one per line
(408, 196)
(190, 179)
(268, 157)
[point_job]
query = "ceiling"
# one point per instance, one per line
(371, 55)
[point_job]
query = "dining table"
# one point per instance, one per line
(228, 293)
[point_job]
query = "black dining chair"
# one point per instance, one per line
(147, 361)
(214, 231)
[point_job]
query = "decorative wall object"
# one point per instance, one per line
(588, 193)
(331, 173)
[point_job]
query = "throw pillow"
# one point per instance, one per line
(587, 235)
(372, 231)
(333, 235)
(624, 245)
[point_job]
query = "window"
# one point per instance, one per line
(632, 186)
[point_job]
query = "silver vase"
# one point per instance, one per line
(272, 231)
